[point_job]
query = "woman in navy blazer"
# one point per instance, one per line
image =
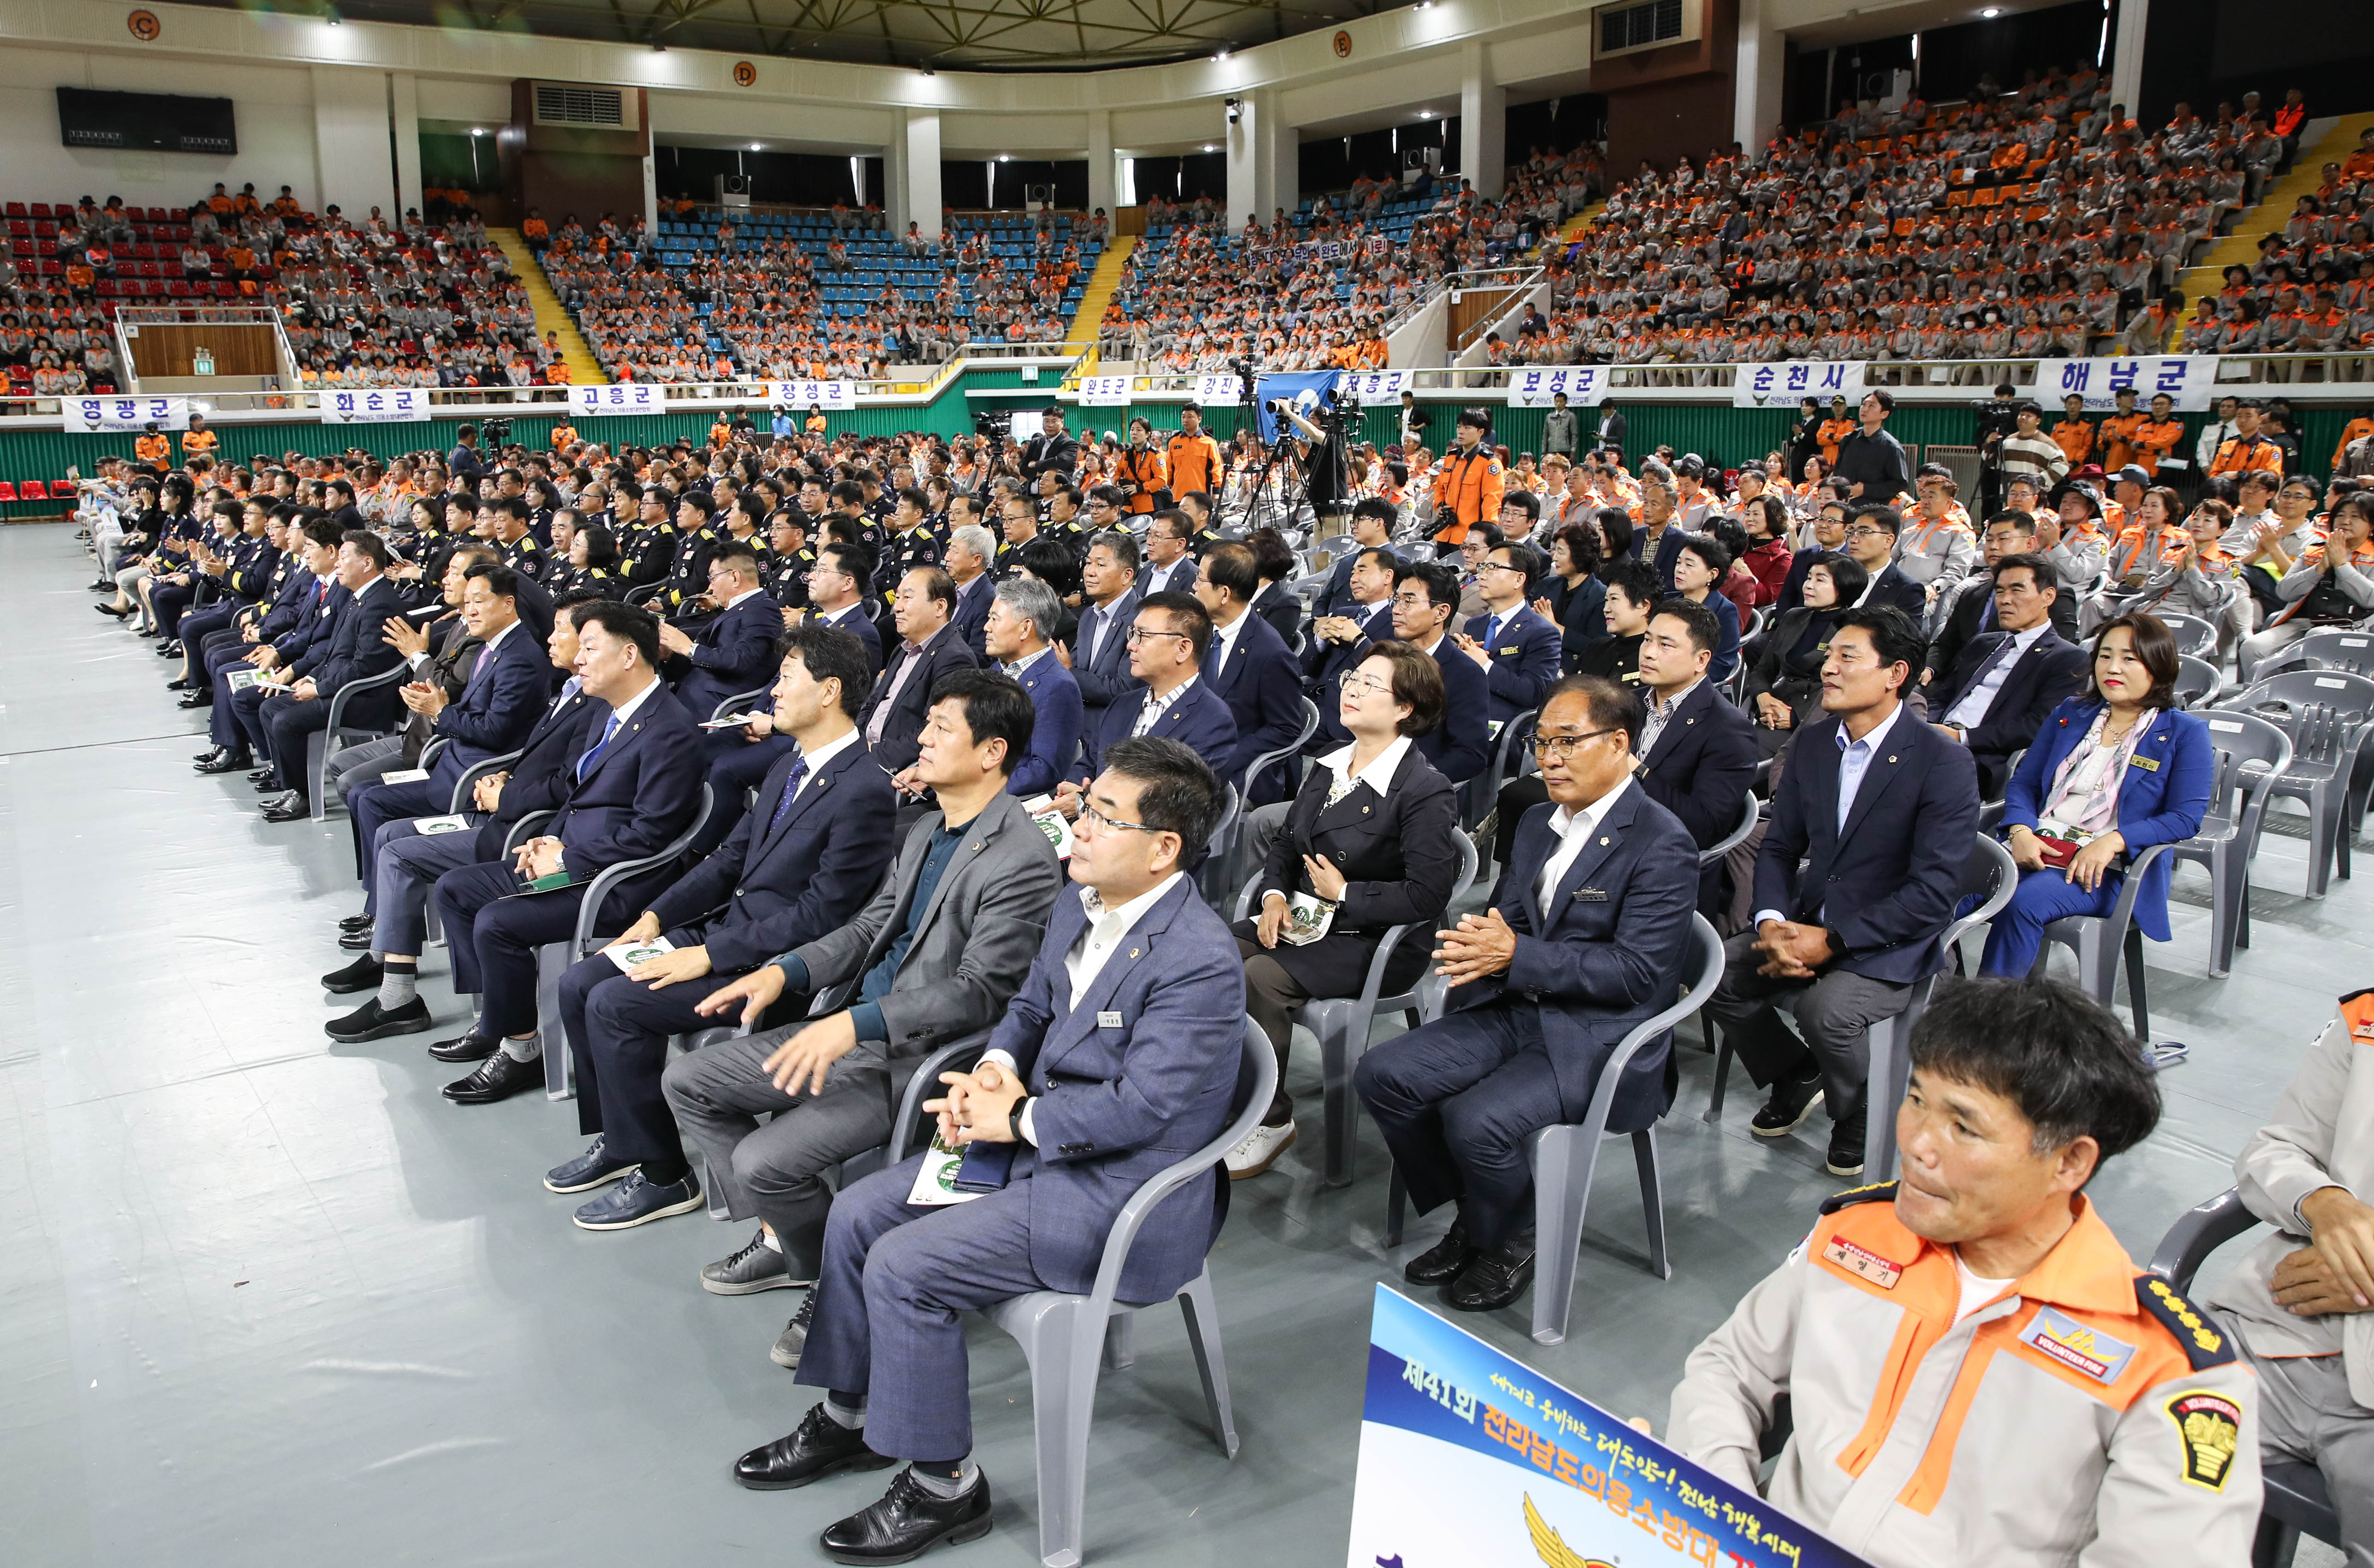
(2127, 754)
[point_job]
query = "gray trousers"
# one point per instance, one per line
(363, 762)
(1832, 1012)
(404, 875)
(775, 1171)
(2305, 1414)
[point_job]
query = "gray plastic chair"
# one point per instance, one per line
(1483, 791)
(553, 959)
(1991, 875)
(325, 743)
(2327, 717)
(1220, 850)
(2339, 650)
(1286, 753)
(1565, 1155)
(2296, 1501)
(1069, 1339)
(736, 703)
(2252, 753)
(1753, 814)
(2198, 682)
(2097, 941)
(2194, 635)
(1341, 1024)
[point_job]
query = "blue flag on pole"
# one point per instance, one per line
(1308, 390)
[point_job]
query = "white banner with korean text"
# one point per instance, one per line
(618, 397)
(374, 406)
(2188, 379)
(92, 416)
(1781, 384)
(833, 397)
(1537, 386)
(1104, 391)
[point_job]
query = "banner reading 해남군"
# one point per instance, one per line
(1771, 385)
(2188, 379)
(1470, 1459)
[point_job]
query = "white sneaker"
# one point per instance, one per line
(1260, 1150)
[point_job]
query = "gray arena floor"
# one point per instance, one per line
(266, 1300)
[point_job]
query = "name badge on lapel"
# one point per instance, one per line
(1108, 1019)
(2148, 764)
(1591, 895)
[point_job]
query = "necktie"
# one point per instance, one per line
(1987, 615)
(791, 788)
(586, 764)
(1491, 632)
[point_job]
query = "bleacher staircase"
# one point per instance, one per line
(2275, 209)
(551, 316)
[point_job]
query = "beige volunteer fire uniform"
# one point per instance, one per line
(2086, 1414)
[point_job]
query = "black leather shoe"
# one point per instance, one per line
(499, 1077)
(1844, 1157)
(907, 1523)
(821, 1446)
(225, 761)
(373, 1022)
(266, 781)
(1441, 1263)
(354, 923)
(169, 651)
(182, 683)
(287, 807)
(1791, 1104)
(1493, 1278)
(355, 941)
(363, 975)
(468, 1046)
(202, 697)
(208, 755)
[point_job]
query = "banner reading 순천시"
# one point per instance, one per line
(1471, 1459)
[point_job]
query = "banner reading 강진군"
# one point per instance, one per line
(1470, 1459)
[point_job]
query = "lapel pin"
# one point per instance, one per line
(1133, 952)
(1604, 840)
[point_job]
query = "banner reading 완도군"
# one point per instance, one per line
(1470, 1459)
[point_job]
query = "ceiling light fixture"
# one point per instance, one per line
(1005, 158)
(1426, 114)
(1209, 148)
(754, 146)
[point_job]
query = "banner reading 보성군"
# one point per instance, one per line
(1470, 1459)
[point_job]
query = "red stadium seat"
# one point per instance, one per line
(33, 490)
(7, 492)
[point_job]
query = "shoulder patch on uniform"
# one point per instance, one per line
(2210, 1426)
(2204, 1343)
(1877, 1192)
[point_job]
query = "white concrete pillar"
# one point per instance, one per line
(1277, 160)
(350, 126)
(1483, 123)
(2127, 56)
(919, 203)
(1756, 79)
(1104, 173)
(404, 111)
(1243, 145)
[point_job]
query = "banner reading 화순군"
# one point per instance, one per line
(1470, 1459)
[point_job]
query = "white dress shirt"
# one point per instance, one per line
(1224, 642)
(817, 760)
(1097, 942)
(1574, 830)
(1157, 578)
(1971, 711)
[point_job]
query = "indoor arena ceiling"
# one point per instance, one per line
(974, 35)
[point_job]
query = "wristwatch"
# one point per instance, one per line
(1013, 1117)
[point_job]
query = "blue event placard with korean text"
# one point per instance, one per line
(1471, 1459)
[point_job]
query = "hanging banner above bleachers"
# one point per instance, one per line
(2188, 379)
(85, 416)
(1781, 385)
(835, 397)
(1536, 386)
(619, 397)
(374, 406)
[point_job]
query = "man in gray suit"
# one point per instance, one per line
(934, 955)
(1119, 1056)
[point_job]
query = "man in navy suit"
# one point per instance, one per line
(1587, 934)
(1518, 651)
(501, 700)
(1426, 597)
(1871, 541)
(1122, 1052)
(1017, 636)
(405, 862)
(801, 867)
(1099, 653)
(354, 651)
(1996, 695)
(281, 632)
(1883, 811)
(835, 586)
(735, 648)
(633, 791)
(1340, 640)
(1168, 644)
(930, 646)
(1253, 672)
(1372, 529)
(1169, 567)
(973, 549)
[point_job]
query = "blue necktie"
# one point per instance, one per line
(586, 764)
(791, 788)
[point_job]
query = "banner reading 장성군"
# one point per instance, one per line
(88, 416)
(374, 406)
(1470, 1459)
(1774, 385)
(2191, 380)
(838, 396)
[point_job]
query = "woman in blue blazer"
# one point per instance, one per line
(2124, 765)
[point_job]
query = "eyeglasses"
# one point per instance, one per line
(1368, 684)
(1501, 567)
(1136, 635)
(1091, 817)
(1557, 748)
(1413, 601)
(1865, 533)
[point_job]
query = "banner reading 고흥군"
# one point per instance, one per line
(1471, 1459)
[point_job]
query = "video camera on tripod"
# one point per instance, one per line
(496, 430)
